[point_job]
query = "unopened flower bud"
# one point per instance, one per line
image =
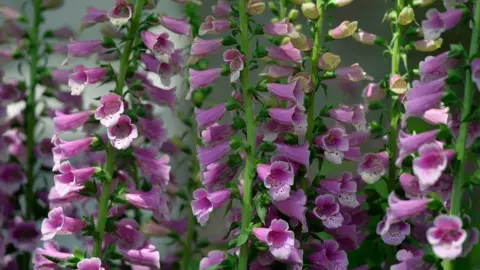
(310, 11)
(428, 45)
(373, 92)
(339, 3)
(397, 84)
(285, 40)
(422, 3)
(406, 16)
(364, 37)
(345, 29)
(274, 20)
(299, 41)
(255, 7)
(298, 27)
(292, 15)
(329, 61)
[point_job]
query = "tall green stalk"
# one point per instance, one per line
(460, 147)
(251, 136)
(103, 205)
(317, 46)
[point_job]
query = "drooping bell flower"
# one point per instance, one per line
(202, 78)
(272, 71)
(153, 200)
(204, 203)
(279, 239)
(153, 130)
(84, 48)
(110, 109)
(9, 13)
(222, 8)
(447, 236)
(44, 152)
(71, 179)
(328, 255)
(122, 134)
(159, 44)
(210, 116)
(277, 177)
(50, 249)
(303, 85)
(435, 67)
(335, 143)
(344, 188)
(328, 211)
(145, 256)
(178, 26)
(288, 91)
(353, 73)
(68, 149)
(120, 13)
(58, 223)
(345, 29)
(365, 37)
(411, 186)
(409, 144)
(128, 234)
(373, 92)
(64, 32)
(295, 153)
(473, 131)
(82, 76)
(437, 23)
(57, 200)
(214, 26)
(93, 16)
(428, 45)
(329, 61)
(286, 53)
(235, 60)
(475, 67)
(396, 233)
(90, 264)
(214, 257)
(163, 97)
(156, 170)
(216, 134)
(397, 84)
(10, 93)
(437, 116)
(11, 178)
(61, 75)
(294, 117)
(431, 163)
(294, 207)
(354, 115)
(201, 48)
(399, 210)
(24, 235)
(280, 28)
(410, 257)
(373, 167)
(66, 122)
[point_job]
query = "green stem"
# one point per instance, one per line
(317, 46)
(251, 136)
(103, 205)
(282, 11)
(460, 147)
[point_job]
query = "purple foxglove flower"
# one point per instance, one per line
(58, 223)
(274, 72)
(204, 203)
(57, 200)
(437, 116)
(411, 186)
(433, 160)
(83, 76)
(327, 210)
(411, 258)
(122, 133)
(354, 115)
(288, 91)
(373, 166)
(396, 233)
(399, 210)
(280, 28)
(214, 257)
(286, 53)
(373, 92)
(9, 13)
(66, 122)
(200, 79)
(397, 84)
(162, 96)
(156, 170)
(147, 255)
(344, 188)
(475, 66)
(294, 207)
(153, 200)
(216, 134)
(222, 8)
(9, 93)
(64, 32)
(277, 178)
(159, 44)
(335, 143)
(61, 75)
(64, 150)
(472, 240)
(110, 109)
(127, 235)
(364, 37)
(11, 178)
(84, 48)
(164, 70)
(24, 235)
(303, 85)
(436, 67)
(217, 174)
(292, 116)
(120, 13)
(50, 249)
(44, 152)
(214, 26)
(295, 153)
(5, 56)
(153, 130)
(279, 239)
(447, 236)
(343, 30)
(437, 23)
(210, 116)
(202, 48)
(473, 129)
(428, 45)
(409, 144)
(328, 255)
(90, 264)
(178, 26)
(93, 17)
(423, 97)
(71, 179)
(235, 60)
(353, 73)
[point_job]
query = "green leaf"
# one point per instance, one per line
(258, 30)
(108, 42)
(242, 238)
(110, 225)
(238, 123)
(229, 41)
(232, 104)
(454, 77)
(375, 105)
(430, 258)
(261, 210)
(236, 142)
(456, 50)
(267, 147)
